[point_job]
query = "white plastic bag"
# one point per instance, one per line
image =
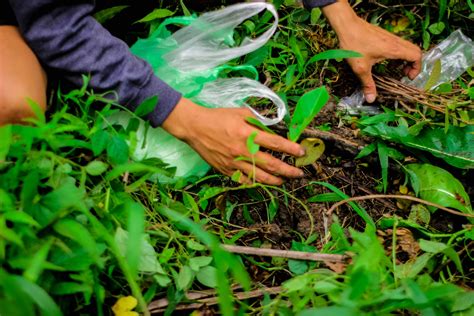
(456, 54)
(190, 60)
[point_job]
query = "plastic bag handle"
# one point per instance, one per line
(201, 44)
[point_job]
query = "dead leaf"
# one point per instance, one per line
(314, 149)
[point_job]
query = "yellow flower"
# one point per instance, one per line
(124, 306)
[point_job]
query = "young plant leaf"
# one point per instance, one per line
(333, 54)
(306, 109)
(252, 147)
(146, 107)
(314, 148)
(109, 13)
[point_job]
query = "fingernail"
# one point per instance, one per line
(302, 152)
(370, 97)
(301, 173)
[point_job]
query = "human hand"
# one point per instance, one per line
(373, 42)
(220, 137)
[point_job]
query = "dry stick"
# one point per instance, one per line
(213, 300)
(342, 143)
(290, 254)
(395, 196)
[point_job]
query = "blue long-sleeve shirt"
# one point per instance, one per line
(69, 41)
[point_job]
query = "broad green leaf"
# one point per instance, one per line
(96, 167)
(437, 185)
(156, 14)
(314, 148)
(196, 263)
(306, 109)
(453, 146)
(315, 15)
(109, 13)
(146, 107)
(207, 276)
(333, 54)
(185, 278)
(433, 247)
(117, 150)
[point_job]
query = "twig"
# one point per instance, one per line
(395, 196)
(155, 308)
(290, 254)
(340, 142)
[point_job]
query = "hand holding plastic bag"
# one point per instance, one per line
(191, 60)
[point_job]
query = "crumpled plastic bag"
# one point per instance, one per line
(192, 61)
(455, 55)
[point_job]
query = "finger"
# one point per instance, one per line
(275, 166)
(364, 72)
(280, 144)
(412, 53)
(254, 172)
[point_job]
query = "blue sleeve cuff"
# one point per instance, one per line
(168, 98)
(317, 3)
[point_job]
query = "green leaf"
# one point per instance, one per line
(136, 228)
(35, 293)
(196, 263)
(185, 278)
(146, 107)
(383, 158)
(325, 197)
(433, 247)
(306, 109)
(453, 146)
(185, 9)
(253, 121)
(37, 263)
(117, 150)
(148, 260)
(156, 14)
(330, 311)
(207, 276)
(334, 54)
(252, 147)
(109, 13)
(367, 150)
(96, 167)
(76, 231)
(5, 141)
(437, 185)
(437, 28)
(434, 76)
(314, 148)
(359, 210)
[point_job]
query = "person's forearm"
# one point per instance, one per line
(340, 15)
(69, 41)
